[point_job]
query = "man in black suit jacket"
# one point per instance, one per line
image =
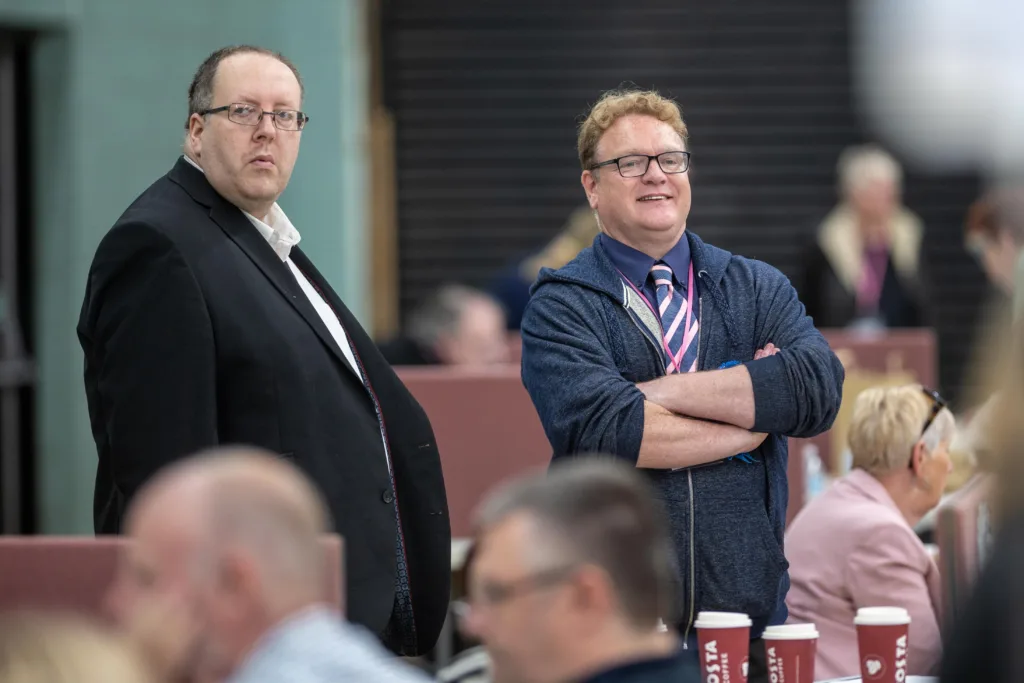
(204, 324)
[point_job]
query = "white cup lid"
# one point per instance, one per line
(881, 616)
(722, 620)
(790, 632)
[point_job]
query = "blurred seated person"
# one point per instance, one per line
(854, 545)
(985, 641)
(456, 325)
(994, 234)
(50, 648)
(572, 574)
(512, 286)
(863, 268)
(224, 579)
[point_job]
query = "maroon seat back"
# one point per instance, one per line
(75, 573)
(486, 427)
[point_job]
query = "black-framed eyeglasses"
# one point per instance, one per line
(250, 115)
(635, 165)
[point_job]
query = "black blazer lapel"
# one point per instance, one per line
(243, 233)
(361, 342)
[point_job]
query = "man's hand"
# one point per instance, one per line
(724, 395)
(769, 350)
(756, 439)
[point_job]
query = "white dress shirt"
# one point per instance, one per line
(282, 236)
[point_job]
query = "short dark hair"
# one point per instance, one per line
(200, 91)
(440, 313)
(601, 512)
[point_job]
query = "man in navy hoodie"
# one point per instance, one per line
(691, 362)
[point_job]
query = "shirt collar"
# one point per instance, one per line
(871, 488)
(636, 265)
(296, 630)
(275, 227)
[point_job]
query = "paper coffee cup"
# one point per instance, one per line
(724, 641)
(791, 650)
(882, 639)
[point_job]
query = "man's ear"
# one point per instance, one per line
(589, 181)
(196, 126)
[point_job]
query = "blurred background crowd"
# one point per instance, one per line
(872, 150)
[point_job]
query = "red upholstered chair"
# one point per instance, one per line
(486, 427)
(75, 573)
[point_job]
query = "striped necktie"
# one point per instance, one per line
(679, 322)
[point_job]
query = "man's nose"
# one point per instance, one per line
(654, 173)
(266, 128)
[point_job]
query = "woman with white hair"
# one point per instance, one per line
(863, 268)
(854, 545)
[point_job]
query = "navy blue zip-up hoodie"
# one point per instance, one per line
(587, 342)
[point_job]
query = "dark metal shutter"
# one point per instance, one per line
(486, 96)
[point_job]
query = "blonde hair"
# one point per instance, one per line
(578, 232)
(615, 104)
(858, 166)
(887, 423)
(38, 648)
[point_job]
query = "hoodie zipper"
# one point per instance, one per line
(689, 481)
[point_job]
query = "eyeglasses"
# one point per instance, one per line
(635, 165)
(250, 115)
(493, 594)
(938, 403)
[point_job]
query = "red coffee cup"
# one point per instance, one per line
(724, 640)
(882, 634)
(791, 650)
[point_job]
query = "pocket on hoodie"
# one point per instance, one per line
(739, 561)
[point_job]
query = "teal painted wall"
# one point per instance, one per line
(109, 80)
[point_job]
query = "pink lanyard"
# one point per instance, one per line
(674, 360)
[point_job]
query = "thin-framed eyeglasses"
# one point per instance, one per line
(246, 114)
(493, 594)
(635, 165)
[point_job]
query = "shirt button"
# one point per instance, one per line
(387, 496)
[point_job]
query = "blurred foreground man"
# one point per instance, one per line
(570, 576)
(675, 355)
(224, 580)
(204, 323)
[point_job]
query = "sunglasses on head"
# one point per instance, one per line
(938, 403)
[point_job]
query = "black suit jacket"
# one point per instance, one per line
(195, 334)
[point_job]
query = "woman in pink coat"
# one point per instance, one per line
(854, 545)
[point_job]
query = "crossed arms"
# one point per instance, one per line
(700, 417)
(587, 405)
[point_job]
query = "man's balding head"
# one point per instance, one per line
(236, 496)
(234, 532)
